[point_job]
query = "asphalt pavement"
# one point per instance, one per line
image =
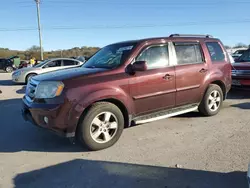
(187, 151)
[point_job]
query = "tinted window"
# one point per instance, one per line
(155, 56)
(54, 64)
(188, 53)
(69, 63)
(245, 56)
(215, 51)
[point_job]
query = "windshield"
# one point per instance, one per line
(245, 57)
(42, 63)
(110, 56)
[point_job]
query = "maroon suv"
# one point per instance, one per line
(241, 70)
(128, 83)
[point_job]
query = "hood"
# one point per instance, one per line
(65, 74)
(27, 69)
(241, 66)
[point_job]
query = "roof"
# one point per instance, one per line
(62, 58)
(184, 37)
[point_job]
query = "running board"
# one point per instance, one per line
(167, 115)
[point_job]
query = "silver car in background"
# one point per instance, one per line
(24, 74)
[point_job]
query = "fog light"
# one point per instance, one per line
(46, 120)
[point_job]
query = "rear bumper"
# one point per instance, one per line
(55, 122)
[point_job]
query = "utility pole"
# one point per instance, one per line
(39, 27)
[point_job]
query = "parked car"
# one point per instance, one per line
(241, 70)
(248, 175)
(6, 65)
(237, 53)
(24, 74)
(127, 83)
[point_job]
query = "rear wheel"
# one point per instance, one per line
(101, 127)
(9, 69)
(212, 101)
(28, 77)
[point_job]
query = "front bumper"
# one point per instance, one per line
(17, 79)
(36, 114)
(240, 81)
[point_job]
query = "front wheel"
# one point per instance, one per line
(101, 127)
(29, 77)
(212, 101)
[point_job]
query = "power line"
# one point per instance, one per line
(144, 2)
(129, 26)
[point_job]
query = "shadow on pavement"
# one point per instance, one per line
(244, 106)
(21, 91)
(95, 174)
(239, 94)
(6, 82)
(17, 135)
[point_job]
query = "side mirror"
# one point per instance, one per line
(139, 66)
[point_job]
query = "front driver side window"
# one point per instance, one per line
(155, 56)
(245, 56)
(56, 63)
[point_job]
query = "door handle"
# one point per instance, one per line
(167, 77)
(203, 70)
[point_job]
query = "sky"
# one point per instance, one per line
(77, 23)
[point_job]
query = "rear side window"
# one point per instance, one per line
(188, 53)
(215, 51)
(69, 63)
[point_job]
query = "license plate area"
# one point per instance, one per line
(236, 82)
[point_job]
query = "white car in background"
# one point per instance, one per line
(24, 74)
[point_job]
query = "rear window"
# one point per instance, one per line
(215, 51)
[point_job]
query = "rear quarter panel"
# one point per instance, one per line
(218, 71)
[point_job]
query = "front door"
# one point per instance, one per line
(52, 66)
(191, 71)
(153, 89)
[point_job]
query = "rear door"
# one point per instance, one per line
(191, 70)
(153, 89)
(2, 61)
(67, 63)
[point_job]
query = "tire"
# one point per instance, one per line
(87, 130)
(212, 101)
(29, 76)
(9, 69)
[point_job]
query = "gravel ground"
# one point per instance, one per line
(188, 151)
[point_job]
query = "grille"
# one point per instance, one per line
(240, 72)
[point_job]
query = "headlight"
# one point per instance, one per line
(48, 89)
(17, 73)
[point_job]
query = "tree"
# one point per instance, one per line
(34, 48)
(240, 45)
(228, 47)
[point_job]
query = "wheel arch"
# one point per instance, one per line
(117, 102)
(26, 76)
(222, 86)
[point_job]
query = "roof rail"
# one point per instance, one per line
(187, 35)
